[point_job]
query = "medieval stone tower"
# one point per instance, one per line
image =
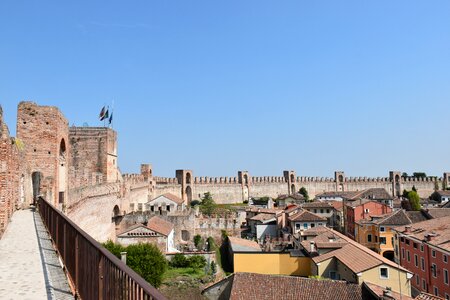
(244, 180)
(45, 134)
(185, 178)
(290, 178)
(395, 178)
(339, 178)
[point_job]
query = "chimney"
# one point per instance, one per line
(312, 246)
(408, 229)
(387, 293)
(429, 237)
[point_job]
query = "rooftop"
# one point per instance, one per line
(261, 286)
(306, 216)
(238, 244)
(159, 225)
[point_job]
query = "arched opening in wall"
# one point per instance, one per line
(293, 189)
(245, 179)
(245, 193)
(389, 255)
(188, 178)
(341, 178)
(185, 235)
(292, 178)
(189, 194)
(36, 178)
(62, 178)
(116, 215)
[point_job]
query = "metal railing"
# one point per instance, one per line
(94, 273)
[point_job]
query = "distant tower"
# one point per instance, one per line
(290, 178)
(184, 177)
(446, 181)
(395, 178)
(244, 180)
(339, 178)
(147, 172)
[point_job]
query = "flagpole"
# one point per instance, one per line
(112, 111)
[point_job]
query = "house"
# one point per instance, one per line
(372, 291)
(357, 210)
(270, 221)
(441, 196)
(424, 249)
(303, 220)
(243, 286)
(157, 231)
(323, 209)
(336, 256)
(377, 194)
(167, 202)
(285, 200)
(337, 221)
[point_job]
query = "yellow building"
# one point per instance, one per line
(376, 233)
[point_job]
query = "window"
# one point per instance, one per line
(415, 245)
(297, 225)
(407, 242)
(168, 207)
(417, 279)
(131, 206)
(366, 210)
(436, 291)
(334, 275)
(139, 206)
(328, 211)
(384, 274)
(416, 260)
(421, 248)
(444, 258)
(433, 270)
(424, 285)
(422, 262)
(321, 211)
(402, 239)
(305, 225)
(403, 253)
(382, 240)
(382, 229)
(408, 257)
(369, 238)
(320, 224)
(433, 253)
(376, 239)
(315, 211)
(447, 297)
(446, 276)
(313, 225)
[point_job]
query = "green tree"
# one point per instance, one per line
(208, 206)
(146, 260)
(414, 200)
(114, 248)
(211, 244)
(179, 261)
(304, 192)
(197, 261)
(419, 174)
(213, 268)
(404, 174)
(197, 241)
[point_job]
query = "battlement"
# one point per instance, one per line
(133, 178)
(165, 180)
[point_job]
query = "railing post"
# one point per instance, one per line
(100, 277)
(77, 260)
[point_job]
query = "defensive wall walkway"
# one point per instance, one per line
(29, 265)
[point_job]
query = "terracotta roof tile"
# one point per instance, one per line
(263, 217)
(317, 204)
(264, 287)
(306, 216)
(159, 225)
(238, 244)
(378, 291)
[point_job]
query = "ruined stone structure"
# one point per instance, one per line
(75, 168)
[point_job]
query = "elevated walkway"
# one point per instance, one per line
(29, 265)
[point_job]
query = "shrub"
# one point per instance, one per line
(211, 244)
(114, 248)
(198, 241)
(179, 261)
(197, 261)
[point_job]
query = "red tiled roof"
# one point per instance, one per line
(173, 198)
(159, 225)
(306, 216)
(235, 241)
(378, 291)
(264, 287)
(263, 217)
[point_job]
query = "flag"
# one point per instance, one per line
(102, 113)
(105, 115)
(110, 118)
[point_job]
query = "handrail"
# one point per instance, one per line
(94, 272)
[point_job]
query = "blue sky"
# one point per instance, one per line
(222, 86)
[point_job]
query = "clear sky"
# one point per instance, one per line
(222, 86)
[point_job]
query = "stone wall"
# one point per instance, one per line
(44, 133)
(9, 175)
(94, 156)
